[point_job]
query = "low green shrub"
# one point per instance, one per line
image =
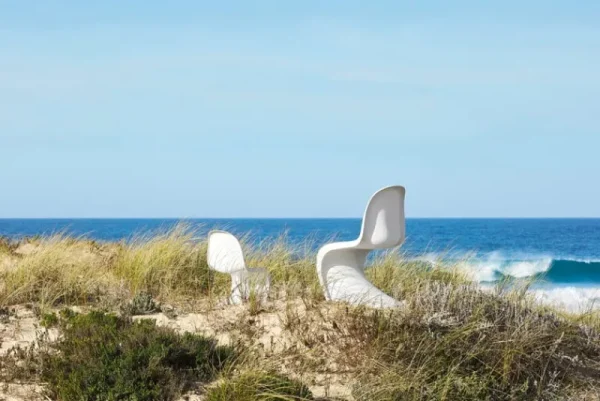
(49, 320)
(142, 304)
(105, 357)
(259, 386)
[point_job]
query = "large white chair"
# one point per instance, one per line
(340, 265)
(225, 255)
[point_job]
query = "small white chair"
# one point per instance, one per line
(340, 265)
(225, 255)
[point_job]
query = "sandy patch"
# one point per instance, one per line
(27, 249)
(18, 328)
(21, 392)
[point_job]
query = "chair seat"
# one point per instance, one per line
(349, 284)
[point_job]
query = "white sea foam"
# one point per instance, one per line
(493, 266)
(574, 299)
(527, 268)
(571, 298)
(487, 268)
(482, 272)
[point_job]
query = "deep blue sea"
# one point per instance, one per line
(565, 252)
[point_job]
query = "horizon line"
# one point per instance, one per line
(310, 218)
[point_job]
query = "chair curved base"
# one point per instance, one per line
(348, 284)
(248, 282)
(341, 274)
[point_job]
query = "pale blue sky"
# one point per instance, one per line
(268, 109)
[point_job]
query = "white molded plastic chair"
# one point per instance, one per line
(225, 255)
(340, 265)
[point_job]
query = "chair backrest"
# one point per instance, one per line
(225, 253)
(383, 224)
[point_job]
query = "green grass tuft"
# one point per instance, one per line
(259, 386)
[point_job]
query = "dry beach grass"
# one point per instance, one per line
(452, 341)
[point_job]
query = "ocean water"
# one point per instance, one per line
(563, 253)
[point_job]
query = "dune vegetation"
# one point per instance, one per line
(146, 319)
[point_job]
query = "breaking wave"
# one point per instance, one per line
(569, 283)
(561, 271)
(496, 266)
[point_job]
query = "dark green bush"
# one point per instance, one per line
(105, 357)
(259, 386)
